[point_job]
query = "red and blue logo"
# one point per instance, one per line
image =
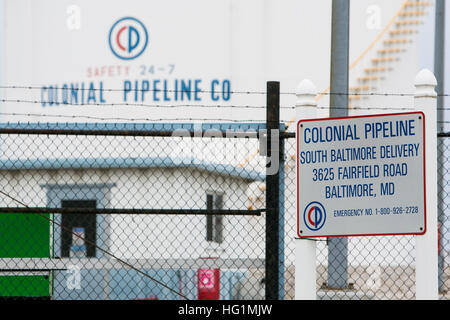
(314, 216)
(128, 38)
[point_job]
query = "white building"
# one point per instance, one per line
(157, 244)
(61, 61)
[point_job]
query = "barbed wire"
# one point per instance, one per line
(248, 92)
(205, 119)
(44, 115)
(127, 104)
(174, 106)
(359, 108)
(137, 90)
(177, 119)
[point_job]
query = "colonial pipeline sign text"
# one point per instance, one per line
(135, 80)
(361, 176)
(136, 91)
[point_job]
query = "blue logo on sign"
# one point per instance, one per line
(314, 216)
(128, 38)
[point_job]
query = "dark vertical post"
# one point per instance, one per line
(337, 247)
(281, 236)
(439, 64)
(209, 218)
(272, 196)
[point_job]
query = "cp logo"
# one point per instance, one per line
(206, 278)
(128, 38)
(314, 216)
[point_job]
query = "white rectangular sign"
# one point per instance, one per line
(361, 175)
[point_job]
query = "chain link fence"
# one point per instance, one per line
(130, 211)
(127, 211)
(378, 268)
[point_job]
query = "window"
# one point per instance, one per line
(74, 221)
(214, 223)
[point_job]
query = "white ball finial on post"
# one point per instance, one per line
(305, 250)
(425, 83)
(306, 89)
(306, 105)
(425, 100)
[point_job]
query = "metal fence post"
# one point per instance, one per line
(281, 234)
(337, 247)
(272, 196)
(427, 244)
(439, 66)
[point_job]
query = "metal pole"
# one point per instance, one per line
(272, 196)
(439, 64)
(281, 221)
(337, 247)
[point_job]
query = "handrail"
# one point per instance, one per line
(363, 54)
(371, 45)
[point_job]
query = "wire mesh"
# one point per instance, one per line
(378, 268)
(128, 214)
(128, 211)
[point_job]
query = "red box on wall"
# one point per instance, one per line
(208, 284)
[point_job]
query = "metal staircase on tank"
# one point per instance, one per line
(380, 57)
(396, 41)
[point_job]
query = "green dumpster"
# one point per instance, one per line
(25, 236)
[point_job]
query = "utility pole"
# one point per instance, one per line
(439, 70)
(340, 33)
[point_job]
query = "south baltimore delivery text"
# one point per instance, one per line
(389, 151)
(369, 131)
